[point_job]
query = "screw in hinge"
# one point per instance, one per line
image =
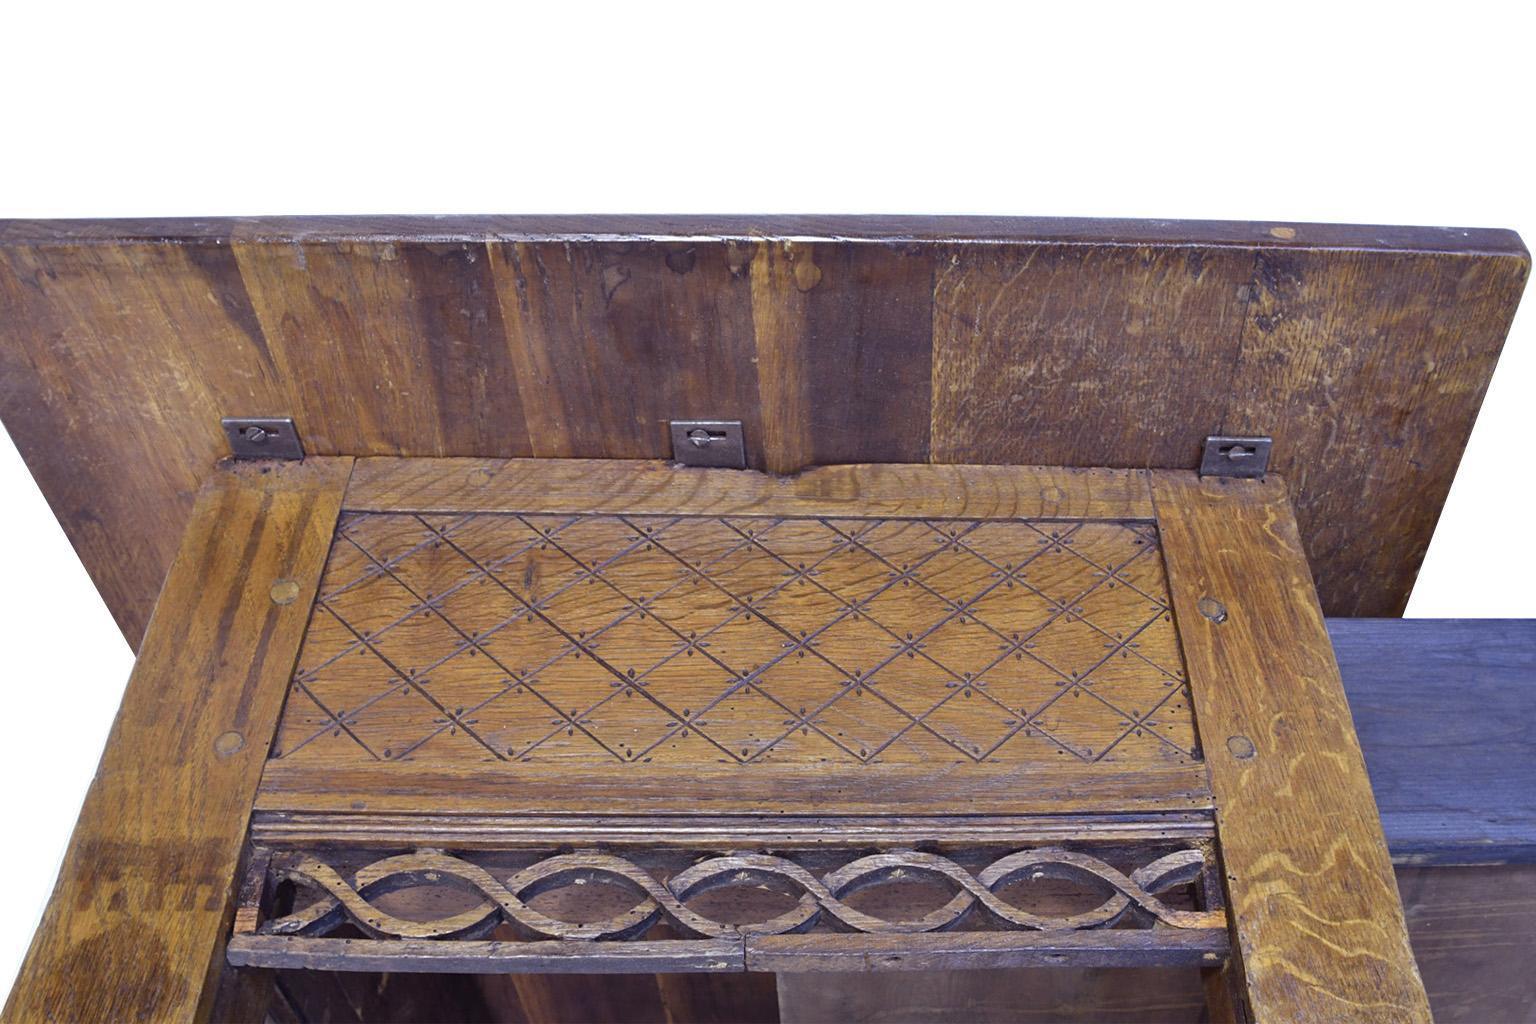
(260, 437)
(1241, 457)
(708, 443)
(1238, 452)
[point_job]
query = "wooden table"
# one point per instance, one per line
(457, 692)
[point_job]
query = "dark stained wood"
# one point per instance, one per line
(616, 486)
(986, 950)
(586, 998)
(146, 893)
(634, 229)
(1039, 995)
(717, 832)
(1444, 710)
(719, 998)
(1473, 932)
(247, 995)
(1365, 350)
(839, 330)
(599, 901)
(243, 995)
(362, 998)
(1408, 331)
(340, 997)
(425, 955)
(1302, 849)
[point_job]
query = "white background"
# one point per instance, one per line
(1365, 113)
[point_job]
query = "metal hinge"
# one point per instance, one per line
(257, 437)
(717, 443)
(1245, 458)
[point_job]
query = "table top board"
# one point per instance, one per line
(1364, 351)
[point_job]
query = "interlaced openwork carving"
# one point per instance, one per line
(343, 899)
(675, 639)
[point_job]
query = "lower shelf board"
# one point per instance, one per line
(427, 956)
(1157, 947)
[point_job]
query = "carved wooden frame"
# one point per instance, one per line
(1279, 749)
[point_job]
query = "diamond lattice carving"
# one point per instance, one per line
(643, 639)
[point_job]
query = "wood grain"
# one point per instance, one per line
(1020, 995)
(986, 950)
(1315, 909)
(1031, 369)
(1000, 789)
(135, 926)
(1364, 350)
(718, 833)
(1473, 931)
(787, 629)
(553, 957)
(656, 641)
(616, 487)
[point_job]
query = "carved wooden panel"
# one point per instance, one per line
(731, 675)
(1154, 902)
(662, 640)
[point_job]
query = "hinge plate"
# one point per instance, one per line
(1243, 458)
(716, 443)
(257, 437)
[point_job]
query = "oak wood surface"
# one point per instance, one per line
(1364, 350)
(716, 832)
(1315, 910)
(1240, 534)
(425, 955)
(986, 950)
(135, 926)
(647, 487)
(674, 641)
(863, 228)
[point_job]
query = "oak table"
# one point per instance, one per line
(475, 680)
